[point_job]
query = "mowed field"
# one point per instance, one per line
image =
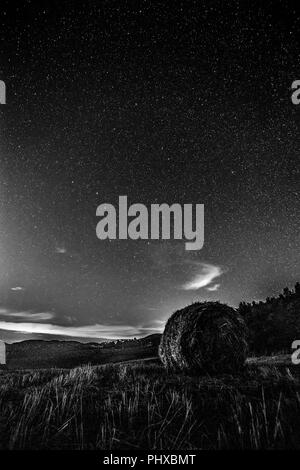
(137, 405)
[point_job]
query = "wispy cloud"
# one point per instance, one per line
(205, 275)
(60, 250)
(27, 315)
(96, 331)
(213, 288)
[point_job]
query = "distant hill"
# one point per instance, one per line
(54, 353)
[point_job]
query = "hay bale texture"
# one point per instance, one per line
(204, 338)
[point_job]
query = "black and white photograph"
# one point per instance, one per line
(149, 229)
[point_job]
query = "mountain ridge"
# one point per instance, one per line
(36, 353)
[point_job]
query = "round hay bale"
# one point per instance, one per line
(204, 338)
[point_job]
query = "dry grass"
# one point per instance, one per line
(140, 406)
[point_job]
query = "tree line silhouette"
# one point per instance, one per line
(274, 324)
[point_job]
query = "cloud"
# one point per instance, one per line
(60, 250)
(207, 274)
(27, 315)
(17, 288)
(155, 326)
(96, 331)
(213, 288)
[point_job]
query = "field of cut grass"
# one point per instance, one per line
(140, 406)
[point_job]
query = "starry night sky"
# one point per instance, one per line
(185, 102)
